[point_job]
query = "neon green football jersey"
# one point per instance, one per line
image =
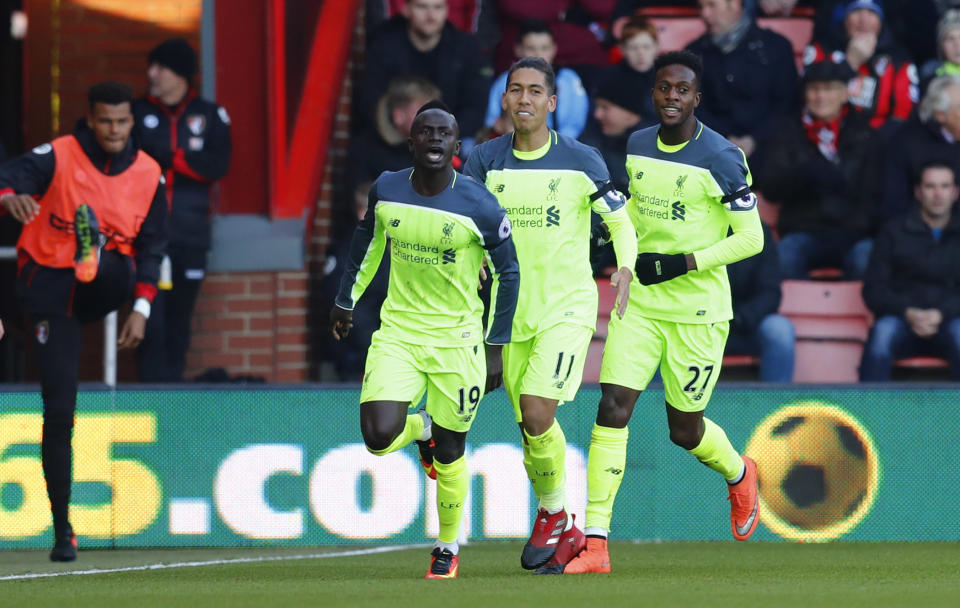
(436, 245)
(548, 194)
(681, 201)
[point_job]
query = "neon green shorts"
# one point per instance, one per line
(549, 365)
(689, 356)
(452, 378)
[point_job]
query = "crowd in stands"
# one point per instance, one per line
(850, 123)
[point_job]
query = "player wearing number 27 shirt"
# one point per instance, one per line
(688, 187)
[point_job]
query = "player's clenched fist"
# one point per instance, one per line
(653, 268)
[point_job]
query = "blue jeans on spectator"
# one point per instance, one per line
(891, 338)
(800, 252)
(773, 342)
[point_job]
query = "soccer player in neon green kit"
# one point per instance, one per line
(440, 227)
(688, 185)
(548, 183)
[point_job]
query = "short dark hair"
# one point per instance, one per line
(535, 63)
(434, 104)
(534, 26)
(685, 58)
(111, 93)
(936, 163)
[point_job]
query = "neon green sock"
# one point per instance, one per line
(412, 431)
(547, 455)
(453, 481)
(528, 465)
(605, 467)
(716, 452)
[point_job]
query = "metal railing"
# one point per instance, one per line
(109, 332)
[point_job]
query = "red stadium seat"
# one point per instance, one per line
(922, 363)
(799, 31)
(675, 33)
(740, 361)
(831, 321)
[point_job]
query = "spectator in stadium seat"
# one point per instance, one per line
(912, 23)
(770, 8)
(573, 104)
(575, 25)
(619, 110)
(478, 17)
(824, 170)
(640, 46)
(913, 281)
(934, 133)
(948, 49)
(756, 328)
(384, 146)
(885, 84)
(749, 75)
(421, 42)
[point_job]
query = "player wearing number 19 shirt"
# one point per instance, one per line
(440, 226)
(688, 186)
(548, 183)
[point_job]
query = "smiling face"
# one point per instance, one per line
(675, 94)
(528, 100)
(434, 139)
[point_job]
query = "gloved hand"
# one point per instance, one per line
(653, 268)
(599, 235)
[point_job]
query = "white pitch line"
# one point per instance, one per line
(215, 562)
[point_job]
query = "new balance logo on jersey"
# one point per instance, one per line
(553, 194)
(638, 176)
(449, 256)
(679, 211)
(394, 222)
(613, 470)
(499, 188)
(553, 216)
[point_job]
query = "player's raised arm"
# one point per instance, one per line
(366, 251)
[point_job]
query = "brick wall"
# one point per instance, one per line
(252, 324)
(87, 41)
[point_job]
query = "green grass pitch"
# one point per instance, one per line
(645, 574)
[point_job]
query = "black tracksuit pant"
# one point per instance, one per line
(58, 306)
